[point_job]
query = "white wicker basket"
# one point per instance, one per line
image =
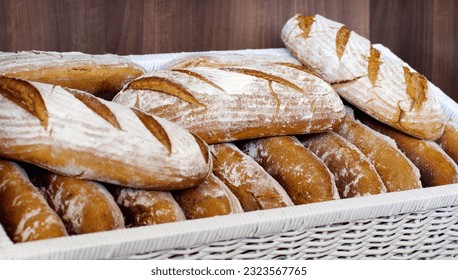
(416, 224)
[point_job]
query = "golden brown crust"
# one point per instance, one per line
(436, 167)
(302, 174)
(211, 198)
(398, 173)
(143, 207)
(251, 184)
(24, 213)
(354, 174)
(449, 141)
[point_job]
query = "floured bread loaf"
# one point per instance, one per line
(253, 186)
(217, 60)
(101, 75)
(354, 174)
(398, 173)
(436, 167)
(302, 174)
(84, 206)
(379, 84)
(209, 199)
(145, 207)
(449, 140)
(24, 213)
(75, 134)
(234, 103)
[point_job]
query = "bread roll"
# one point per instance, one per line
(235, 103)
(251, 184)
(75, 134)
(436, 167)
(449, 140)
(211, 198)
(145, 207)
(24, 213)
(84, 206)
(218, 60)
(380, 84)
(101, 75)
(354, 174)
(398, 173)
(302, 174)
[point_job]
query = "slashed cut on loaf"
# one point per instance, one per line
(76, 134)
(238, 102)
(373, 80)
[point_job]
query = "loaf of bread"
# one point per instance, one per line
(353, 173)
(449, 140)
(145, 207)
(398, 173)
(218, 60)
(301, 173)
(209, 199)
(101, 75)
(251, 184)
(436, 167)
(84, 206)
(235, 103)
(75, 134)
(377, 83)
(24, 213)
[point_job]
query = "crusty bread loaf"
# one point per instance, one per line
(218, 60)
(84, 206)
(101, 75)
(235, 103)
(436, 167)
(302, 174)
(398, 173)
(145, 207)
(353, 172)
(24, 213)
(211, 198)
(75, 134)
(382, 86)
(251, 184)
(449, 140)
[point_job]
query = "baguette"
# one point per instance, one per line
(436, 167)
(377, 82)
(449, 140)
(101, 75)
(354, 174)
(24, 213)
(237, 103)
(251, 184)
(302, 174)
(398, 173)
(209, 199)
(146, 207)
(75, 134)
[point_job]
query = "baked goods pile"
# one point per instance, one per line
(92, 143)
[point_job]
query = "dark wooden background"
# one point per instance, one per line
(422, 32)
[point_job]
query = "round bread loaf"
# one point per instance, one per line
(449, 140)
(251, 184)
(354, 174)
(301, 173)
(210, 198)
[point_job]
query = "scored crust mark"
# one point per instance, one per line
(373, 65)
(341, 41)
(97, 107)
(165, 86)
(416, 87)
(198, 76)
(337, 84)
(203, 148)
(277, 100)
(305, 24)
(155, 128)
(26, 96)
(265, 76)
(299, 67)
